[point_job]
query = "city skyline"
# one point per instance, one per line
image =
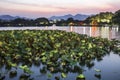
(47, 8)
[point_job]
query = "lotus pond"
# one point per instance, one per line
(56, 55)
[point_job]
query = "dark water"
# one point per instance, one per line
(109, 65)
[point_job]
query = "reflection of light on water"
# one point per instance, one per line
(84, 30)
(94, 31)
(105, 32)
(71, 28)
(116, 29)
(90, 31)
(54, 27)
(46, 27)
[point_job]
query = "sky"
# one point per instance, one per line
(47, 8)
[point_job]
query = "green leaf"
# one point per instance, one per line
(90, 46)
(12, 64)
(57, 45)
(1, 43)
(26, 69)
(97, 70)
(80, 54)
(63, 75)
(83, 41)
(44, 59)
(49, 75)
(81, 76)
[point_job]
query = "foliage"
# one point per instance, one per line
(58, 51)
(26, 22)
(68, 22)
(63, 75)
(41, 22)
(101, 18)
(81, 76)
(97, 70)
(116, 18)
(26, 69)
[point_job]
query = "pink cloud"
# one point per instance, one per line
(54, 7)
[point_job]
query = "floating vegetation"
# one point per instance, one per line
(98, 76)
(26, 69)
(97, 70)
(13, 74)
(63, 75)
(57, 51)
(81, 77)
(24, 77)
(49, 75)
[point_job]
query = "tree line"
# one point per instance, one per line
(26, 22)
(102, 18)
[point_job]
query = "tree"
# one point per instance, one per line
(62, 22)
(88, 20)
(69, 20)
(20, 22)
(0, 22)
(116, 18)
(42, 22)
(101, 18)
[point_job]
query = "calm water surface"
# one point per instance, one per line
(104, 32)
(109, 66)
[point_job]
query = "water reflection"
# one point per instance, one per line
(109, 66)
(104, 32)
(93, 31)
(71, 29)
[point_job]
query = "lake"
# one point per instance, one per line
(104, 32)
(109, 66)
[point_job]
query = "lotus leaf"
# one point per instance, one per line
(63, 75)
(1, 43)
(97, 70)
(26, 69)
(81, 76)
(49, 75)
(58, 51)
(80, 54)
(44, 59)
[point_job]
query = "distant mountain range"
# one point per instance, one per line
(65, 17)
(7, 17)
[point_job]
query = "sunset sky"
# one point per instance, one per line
(47, 8)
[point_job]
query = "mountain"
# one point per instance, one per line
(80, 17)
(9, 17)
(65, 17)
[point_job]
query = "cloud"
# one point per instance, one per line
(52, 7)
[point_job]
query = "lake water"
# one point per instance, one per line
(109, 65)
(104, 32)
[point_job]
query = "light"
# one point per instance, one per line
(71, 23)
